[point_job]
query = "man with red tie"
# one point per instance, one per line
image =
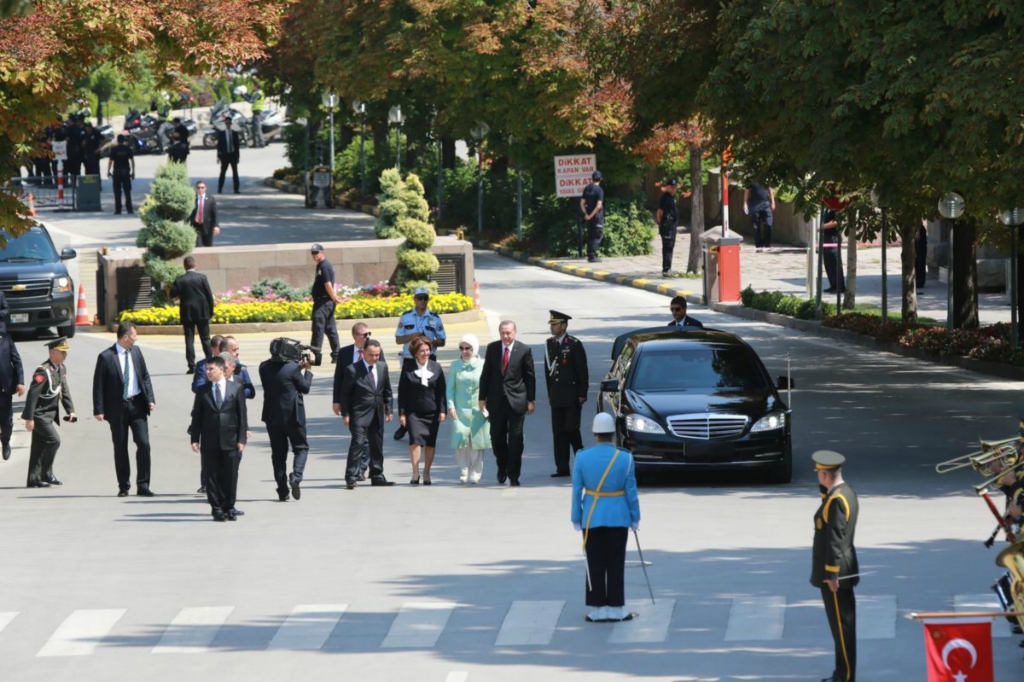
(508, 389)
(204, 216)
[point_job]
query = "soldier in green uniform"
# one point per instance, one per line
(835, 570)
(566, 363)
(46, 393)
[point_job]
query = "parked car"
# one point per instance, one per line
(697, 399)
(37, 284)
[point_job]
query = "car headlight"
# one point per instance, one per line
(61, 285)
(770, 422)
(635, 422)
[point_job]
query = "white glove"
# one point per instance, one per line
(635, 525)
(577, 526)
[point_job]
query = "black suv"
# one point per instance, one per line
(37, 284)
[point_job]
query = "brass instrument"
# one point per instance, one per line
(1012, 559)
(988, 484)
(993, 457)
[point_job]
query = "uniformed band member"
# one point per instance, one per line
(12, 380)
(47, 392)
(420, 321)
(834, 570)
(324, 300)
(565, 362)
(605, 505)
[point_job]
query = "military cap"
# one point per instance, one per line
(558, 317)
(421, 291)
(826, 460)
(59, 344)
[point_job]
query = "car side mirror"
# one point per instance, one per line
(67, 253)
(785, 383)
(610, 386)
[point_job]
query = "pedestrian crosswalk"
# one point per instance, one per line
(422, 624)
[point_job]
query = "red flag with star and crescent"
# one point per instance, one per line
(959, 650)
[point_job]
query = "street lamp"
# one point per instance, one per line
(305, 156)
(519, 193)
(330, 101)
(877, 201)
(479, 132)
(360, 111)
(395, 118)
(951, 207)
(1012, 218)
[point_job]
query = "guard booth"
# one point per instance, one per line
(320, 186)
(721, 268)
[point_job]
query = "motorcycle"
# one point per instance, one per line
(239, 122)
(150, 133)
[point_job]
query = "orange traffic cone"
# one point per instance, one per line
(31, 206)
(476, 294)
(82, 316)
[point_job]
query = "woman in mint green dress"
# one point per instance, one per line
(470, 432)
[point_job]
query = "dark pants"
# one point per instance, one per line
(367, 441)
(221, 470)
(257, 129)
(92, 164)
(841, 608)
(203, 238)
(224, 163)
(595, 233)
(132, 416)
(668, 247)
(43, 169)
(323, 322)
(280, 437)
(565, 427)
(761, 220)
(191, 327)
(833, 268)
(45, 443)
(606, 563)
(507, 440)
(122, 183)
(6, 418)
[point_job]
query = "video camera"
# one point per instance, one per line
(290, 350)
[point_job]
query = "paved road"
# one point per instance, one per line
(477, 583)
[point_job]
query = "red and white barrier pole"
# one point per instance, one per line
(60, 185)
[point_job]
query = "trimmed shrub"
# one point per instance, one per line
(164, 234)
(418, 234)
(418, 264)
(628, 231)
(281, 288)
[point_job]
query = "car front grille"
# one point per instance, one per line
(707, 426)
(29, 288)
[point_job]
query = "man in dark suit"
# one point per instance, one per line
(219, 425)
(228, 144)
(284, 412)
(363, 399)
(195, 310)
(351, 355)
(203, 217)
(508, 389)
(122, 396)
(12, 380)
(679, 317)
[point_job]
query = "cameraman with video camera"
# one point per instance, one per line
(286, 377)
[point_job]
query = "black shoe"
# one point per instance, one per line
(414, 481)
(144, 492)
(52, 480)
(560, 474)
(361, 477)
(334, 359)
(238, 512)
(232, 515)
(282, 495)
(400, 433)
(351, 485)
(122, 493)
(131, 212)
(202, 490)
(502, 477)
(220, 517)
(37, 484)
(514, 483)
(426, 481)
(296, 491)
(190, 370)
(381, 481)
(7, 451)
(830, 290)
(117, 213)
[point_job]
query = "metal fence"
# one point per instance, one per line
(44, 191)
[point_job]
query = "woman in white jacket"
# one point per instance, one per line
(470, 432)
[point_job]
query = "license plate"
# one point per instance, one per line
(19, 318)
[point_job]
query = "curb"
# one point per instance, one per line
(298, 189)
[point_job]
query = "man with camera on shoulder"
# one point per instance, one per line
(286, 377)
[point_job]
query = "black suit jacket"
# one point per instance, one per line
(219, 429)
(222, 145)
(209, 214)
(12, 374)
(413, 396)
(196, 298)
(687, 322)
(345, 358)
(284, 384)
(359, 400)
(518, 383)
(108, 383)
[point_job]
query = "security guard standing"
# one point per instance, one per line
(835, 569)
(121, 167)
(324, 300)
(47, 392)
(12, 380)
(420, 321)
(568, 381)
(258, 103)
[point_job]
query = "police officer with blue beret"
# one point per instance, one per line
(420, 321)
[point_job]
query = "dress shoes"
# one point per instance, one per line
(502, 477)
(350, 485)
(202, 490)
(190, 370)
(53, 480)
(232, 515)
(37, 484)
(361, 477)
(282, 495)
(381, 481)
(7, 451)
(220, 517)
(144, 492)
(400, 433)
(122, 493)
(238, 512)
(560, 474)
(514, 483)
(296, 491)
(830, 290)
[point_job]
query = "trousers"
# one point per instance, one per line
(45, 443)
(761, 219)
(606, 563)
(565, 427)
(132, 417)
(841, 608)
(280, 437)
(595, 234)
(507, 440)
(122, 185)
(191, 327)
(324, 323)
(229, 160)
(366, 438)
(6, 418)
(220, 467)
(833, 268)
(668, 247)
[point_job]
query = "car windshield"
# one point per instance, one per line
(698, 369)
(32, 246)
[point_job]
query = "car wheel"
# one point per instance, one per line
(783, 471)
(68, 331)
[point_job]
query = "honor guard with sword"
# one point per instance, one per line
(566, 363)
(46, 393)
(835, 570)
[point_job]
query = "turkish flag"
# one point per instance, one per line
(958, 650)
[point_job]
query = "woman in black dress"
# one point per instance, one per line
(422, 405)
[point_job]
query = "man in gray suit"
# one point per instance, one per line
(219, 426)
(363, 398)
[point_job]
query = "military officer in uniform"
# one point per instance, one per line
(419, 321)
(834, 570)
(47, 392)
(565, 362)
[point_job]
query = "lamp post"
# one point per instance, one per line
(1012, 218)
(951, 207)
(359, 108)
(876, 200)
(396, 119)
(519, 193)
(305, 157)
(479, 132)
(331, 102)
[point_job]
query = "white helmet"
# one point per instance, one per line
(604, 423)
(240, 91)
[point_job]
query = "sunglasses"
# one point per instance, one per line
(676, 309)
(422, 298)
(364, 334)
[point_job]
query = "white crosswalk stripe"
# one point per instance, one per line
(457, 676)
(418, 625)
(6, 618)
(81, 632)
(529, 623)
(193, 630)
(651, 626)
(756, 618)
(876, 616)
(982, 602)
(308, 627)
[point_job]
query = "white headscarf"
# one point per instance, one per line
(472, 341)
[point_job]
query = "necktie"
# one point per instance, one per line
(360, 351)
(199, 211)
(504, 360)
(373, 377)
(216, 395)
(127, 377)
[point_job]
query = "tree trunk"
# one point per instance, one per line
(694, 263)
(99, 112)
(850, 298)
(908, 258)
(448, 153)
(965, 275)
(1020, 275)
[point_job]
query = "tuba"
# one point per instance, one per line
(1010, 589)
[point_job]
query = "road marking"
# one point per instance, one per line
(756, 618)
(418, 625)
(651, 625)
(6, 618)
(457, 677)
(982, 602)
(81, 632)
(193, 630)
(876, 616)
(308, 627)
(529, 623)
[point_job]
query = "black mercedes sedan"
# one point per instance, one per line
(689, 398)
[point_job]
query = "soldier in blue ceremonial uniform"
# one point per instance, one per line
(605, 505)
(565, 364)
(47, 392)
